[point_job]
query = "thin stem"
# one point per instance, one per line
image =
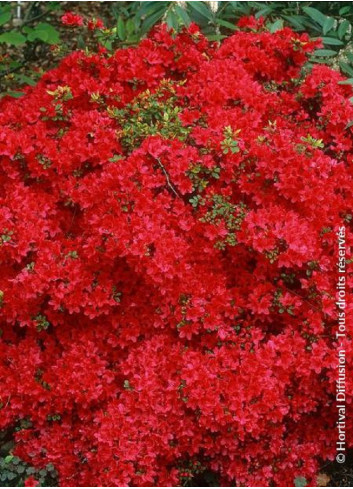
(166, 174)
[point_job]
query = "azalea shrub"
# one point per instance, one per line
(169, 217)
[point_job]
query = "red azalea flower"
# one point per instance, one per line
(251, 22)
(72, 20)
(95, 24)
(31, 482)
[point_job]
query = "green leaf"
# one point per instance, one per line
(328, 24)
(343, 28)
(324, 52)
(12, 37)
(27, 30)
(11, 476)
(148, 8)
(171, 20)
(263, 12)
(5, 17)
(344, 10)
(347, 70)
(121, 28)
(276, 26)
(24, 79)
(150, 21)
(295, 20)
(201, 8)
(183, 15)
(332, 41)
(349, 81)
(315, 15)
(216, 37)
(226, 24)
(80, 42)
(44, 32)
(130, 27)
(300, 482)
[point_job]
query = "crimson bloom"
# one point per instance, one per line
(72, 20)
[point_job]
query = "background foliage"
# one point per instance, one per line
(28, 31)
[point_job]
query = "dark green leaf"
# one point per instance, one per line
(201, 8)
(276, 26)
(263, 12)
(5, 17)
(343, 28)
(344, 10)
(349, 81)
(80, 42)
(295, 21)
(130, 27)
(172, 20)
(44, 32)
(316, 15)
(121, 28)
(216, 37)
(150, 21)
(148, 8)
(347, 70)
(27, 30)
(183, 15)
(332, 41)
(226, 24)
(14, 94)
(53, 5)
(24, 79)
(12, 37)
(328, 24)
(324, 52)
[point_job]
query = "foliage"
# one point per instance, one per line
(128, 22)
(330, 21)
(14, 472)
(27, 33)
(169, 260)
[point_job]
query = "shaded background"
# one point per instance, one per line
(32, 38)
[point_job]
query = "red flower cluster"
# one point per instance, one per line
(168, 261)
(71, 19)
